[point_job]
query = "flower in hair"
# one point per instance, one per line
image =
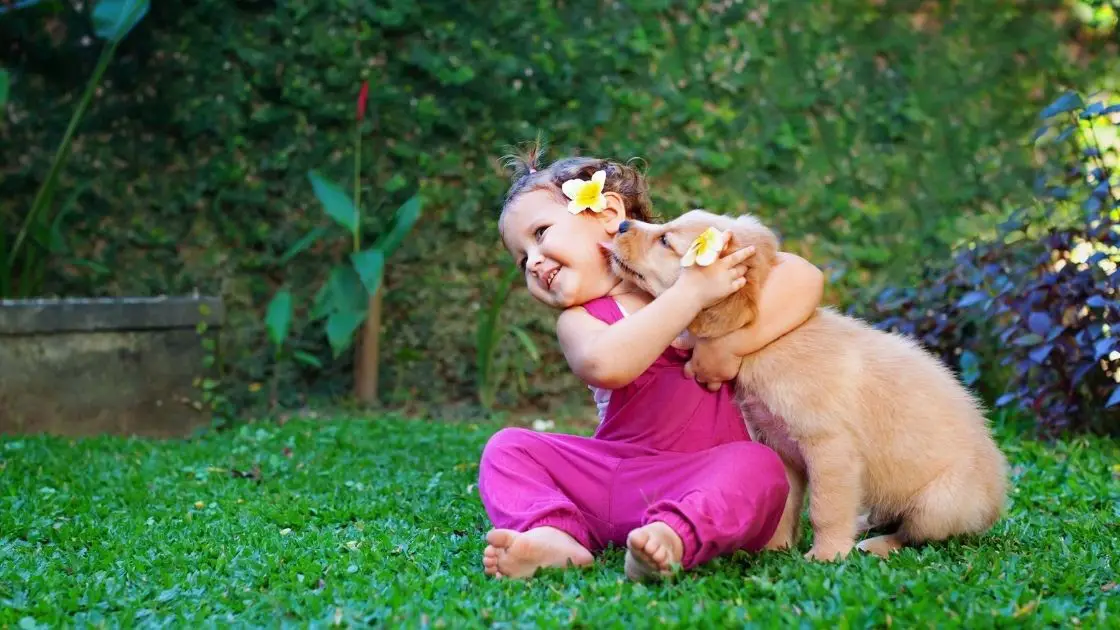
(705, 249)
(586, 194)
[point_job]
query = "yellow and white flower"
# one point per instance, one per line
(586, 194)
(705, 249)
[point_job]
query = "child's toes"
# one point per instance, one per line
(490, 560)
(639, 540)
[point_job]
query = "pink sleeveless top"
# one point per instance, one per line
(662, 408)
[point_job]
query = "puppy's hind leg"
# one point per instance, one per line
(789, 528)
(834, 496)
(951, 505)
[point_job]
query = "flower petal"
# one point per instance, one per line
(600, 177)
(599, 204)
(707, 257)
(711, 237)
(574, 206)
(689, 257)
(572, 187)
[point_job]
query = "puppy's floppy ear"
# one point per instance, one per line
(741, 308)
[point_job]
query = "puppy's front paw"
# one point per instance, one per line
(828, 553)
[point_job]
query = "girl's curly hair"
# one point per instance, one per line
(529, 175)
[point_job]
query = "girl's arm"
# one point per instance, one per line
(611, 356)
(790, 296)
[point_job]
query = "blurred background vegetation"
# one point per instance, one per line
(882, 139)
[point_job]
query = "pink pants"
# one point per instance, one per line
(718, 500)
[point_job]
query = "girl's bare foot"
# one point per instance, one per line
(652, 551)
(519, 554)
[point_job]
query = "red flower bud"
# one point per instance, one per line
(363, 98)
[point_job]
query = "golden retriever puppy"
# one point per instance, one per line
(879, 429)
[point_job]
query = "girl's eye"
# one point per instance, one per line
(521, 264)
(664, 240)
(539, 231)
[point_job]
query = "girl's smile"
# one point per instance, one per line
(545, 240)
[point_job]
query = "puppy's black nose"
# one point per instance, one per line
(622, 227)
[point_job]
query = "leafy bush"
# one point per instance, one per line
(1037, 307)
(835, 123)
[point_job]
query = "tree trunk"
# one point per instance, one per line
(366, 361)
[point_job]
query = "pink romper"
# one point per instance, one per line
(666, 449)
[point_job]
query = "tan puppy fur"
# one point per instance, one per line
(879, 429)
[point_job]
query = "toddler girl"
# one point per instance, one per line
(670, 472)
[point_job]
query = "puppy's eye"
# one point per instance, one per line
(664, 240)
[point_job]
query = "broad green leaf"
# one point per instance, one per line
(302, 244)
(3, 87)
(341, 326)
(278, 318)
(407, 215)
(369, 264)
(343, 291)
(113, 19)
(307, 359)
(336, 203)
(348, 294)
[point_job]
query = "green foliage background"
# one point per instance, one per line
(873, 136)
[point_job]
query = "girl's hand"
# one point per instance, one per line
(713, 363)
(718, 280)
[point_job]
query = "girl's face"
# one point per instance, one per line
(559, 251)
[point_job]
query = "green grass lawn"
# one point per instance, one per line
(378, 522)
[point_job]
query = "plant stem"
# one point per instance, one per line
(357, 186)
(63, 148)
(274, 385)
(368, 347)
(369, 354)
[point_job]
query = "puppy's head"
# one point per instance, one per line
(649, 255)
